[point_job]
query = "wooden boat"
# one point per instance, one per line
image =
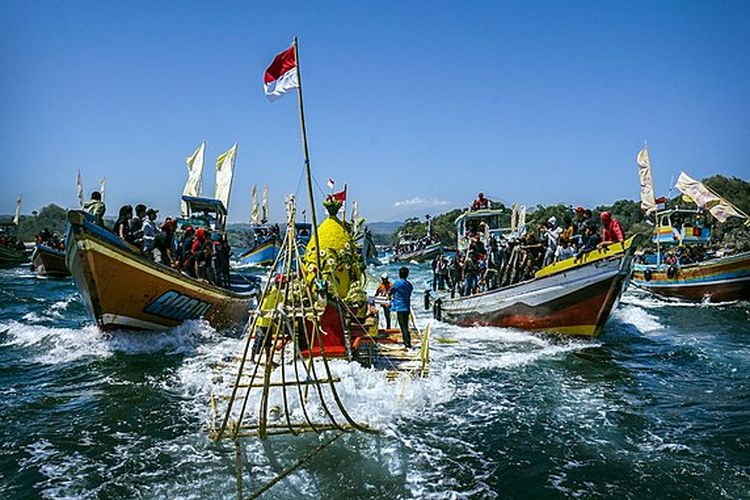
(12, 254)
(574, 296)
(265, 248)
(123, 289)
(421, 253)
(717, 279)
(48, 261)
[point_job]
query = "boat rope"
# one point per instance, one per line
(284, 473)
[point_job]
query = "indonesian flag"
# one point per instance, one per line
(281, 76)
(331, 183)
(340, 196)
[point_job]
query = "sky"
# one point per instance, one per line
(415, 105)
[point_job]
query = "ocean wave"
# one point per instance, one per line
(55, 345)
(637, 316)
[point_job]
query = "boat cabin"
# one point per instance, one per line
(681, 227)
(204, 212)
(488, 222)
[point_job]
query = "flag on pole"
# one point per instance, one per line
(101, 187)
(194, 185)
(340, 196)
(79, 187)
(705, 198)
(17, 218)
(648, 204)
(224, 174)
(331, 183)
(254, 213)
(264, 208)
(513, 218)
(281, 76)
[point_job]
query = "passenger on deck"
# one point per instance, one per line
(591, 240)
(471, 272)
(136, 225)
(455, 272)
(611, 230)
(150, 230)
(383, 290)
(222, 251)
(564, 250)
(96, 207)
(164, 242)
(184, 247)
(401, 303)
(122, 224)
(550, 235)
(481, 203)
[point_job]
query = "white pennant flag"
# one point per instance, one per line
(101, 187)
(264, 216)
(705, 198)
(194, 185)
(224, 174)
(254, 213)
(79, 188)
(648, 203)
(17, 218)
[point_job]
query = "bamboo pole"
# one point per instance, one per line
(306, 152)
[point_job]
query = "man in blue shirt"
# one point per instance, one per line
(401, 303)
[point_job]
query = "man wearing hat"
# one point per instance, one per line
(383, 289)
(150, 230)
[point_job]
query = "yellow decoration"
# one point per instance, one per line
(338, 257)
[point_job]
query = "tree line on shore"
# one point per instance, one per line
(628, 212)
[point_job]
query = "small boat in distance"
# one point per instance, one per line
(49, 261)
(682, 268)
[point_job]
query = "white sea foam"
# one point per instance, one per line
(54, 345)
(640, 318)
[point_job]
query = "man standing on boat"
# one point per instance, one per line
(96, 207)
(401, 303)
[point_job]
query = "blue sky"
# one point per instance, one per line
(417, 105)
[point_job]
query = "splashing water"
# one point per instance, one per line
(657, 406)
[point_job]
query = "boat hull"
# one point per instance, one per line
(577, 301)
(123, 290)
(10, 257)
(50, 262)
(423, 255)
(717, 280)
(263, 255)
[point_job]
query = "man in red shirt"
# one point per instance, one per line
(611, 230)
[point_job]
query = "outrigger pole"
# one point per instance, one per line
(306, 152)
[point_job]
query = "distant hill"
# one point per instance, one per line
(384, 227)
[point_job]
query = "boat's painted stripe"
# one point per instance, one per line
(91, 245)
(676, 283)
(614, 250)
(127, 321)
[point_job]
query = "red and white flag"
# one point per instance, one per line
(281, 76)
(331, 183)
(340, 196)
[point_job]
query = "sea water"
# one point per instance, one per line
(659, 405)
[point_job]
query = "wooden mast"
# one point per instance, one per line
(306, 152)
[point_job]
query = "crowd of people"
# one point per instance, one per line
(199, 252)
(501, 262)
(50, 239)
(9, 241)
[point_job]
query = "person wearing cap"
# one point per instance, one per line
(264, 322)
(150, 230)
(384, 288)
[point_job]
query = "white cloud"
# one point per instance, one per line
(419, 202)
